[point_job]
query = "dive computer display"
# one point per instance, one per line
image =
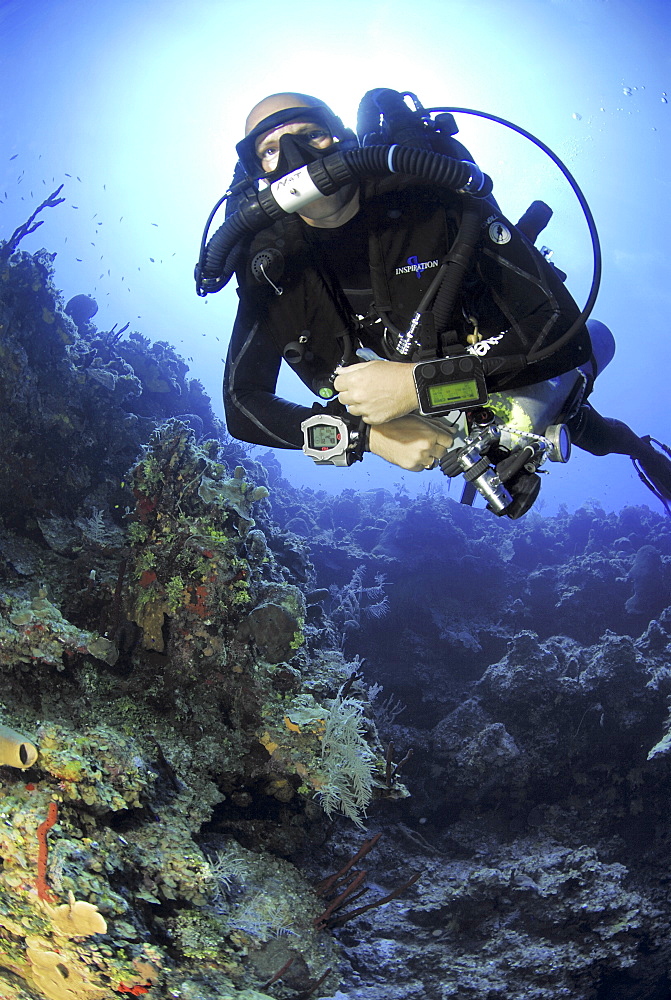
(452, 383)
(323, 437)
(329, 439)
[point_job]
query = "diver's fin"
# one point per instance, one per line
(654, 469)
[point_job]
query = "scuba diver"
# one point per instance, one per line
(381, 269)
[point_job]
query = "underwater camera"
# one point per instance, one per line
(499, 447)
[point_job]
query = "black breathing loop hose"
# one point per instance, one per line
(328, 175)
(457, 260)
(589, 218)
(434, 168)
(216, 265)
(203, 247)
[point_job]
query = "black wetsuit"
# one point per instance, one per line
(388, 253)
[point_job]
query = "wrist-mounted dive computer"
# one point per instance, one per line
(334, 440)
(456, 382)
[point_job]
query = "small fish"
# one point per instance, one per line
(14, 157)
(155, 224)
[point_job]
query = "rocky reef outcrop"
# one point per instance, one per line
(172, 727)
(528, 666)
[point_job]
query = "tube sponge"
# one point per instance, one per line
(16, 750)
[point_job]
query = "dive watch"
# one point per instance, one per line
(330, 439)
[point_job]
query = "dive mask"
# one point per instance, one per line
(296, 150)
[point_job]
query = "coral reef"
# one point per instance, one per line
(155, 651)
(213, 681)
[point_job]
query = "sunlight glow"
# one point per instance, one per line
(142, 103)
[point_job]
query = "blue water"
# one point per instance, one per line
(135, 106)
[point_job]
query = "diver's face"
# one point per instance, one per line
(268, 146)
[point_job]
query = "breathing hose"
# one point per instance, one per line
(322, 178)
(545, 352)
(457, 261)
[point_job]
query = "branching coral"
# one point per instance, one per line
(7, 247)
(343, 888)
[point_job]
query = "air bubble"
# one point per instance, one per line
(626, 91)
(664, 99)
(576, 116)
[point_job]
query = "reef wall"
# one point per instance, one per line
(218, 688)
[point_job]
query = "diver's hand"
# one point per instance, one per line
(377, 391)
(409, 442)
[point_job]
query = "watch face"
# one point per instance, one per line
(323, 436)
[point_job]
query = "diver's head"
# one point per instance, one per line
(282, 105)
(286, 131)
